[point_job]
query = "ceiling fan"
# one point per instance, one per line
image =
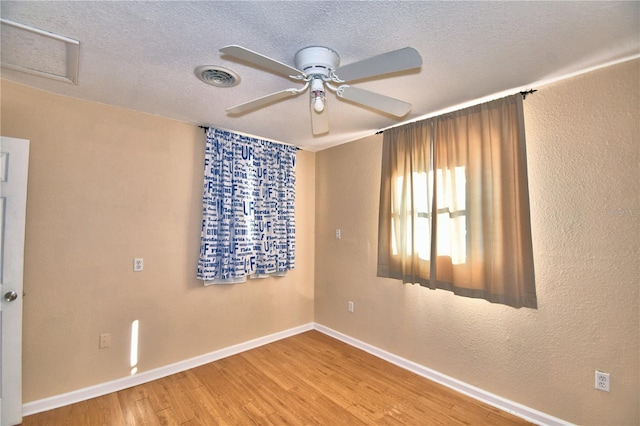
(318, 67)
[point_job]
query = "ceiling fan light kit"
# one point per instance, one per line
(317, 95)
(318, 67)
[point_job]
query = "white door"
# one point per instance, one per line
(14, 162)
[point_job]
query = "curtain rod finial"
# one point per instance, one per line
(528, 92)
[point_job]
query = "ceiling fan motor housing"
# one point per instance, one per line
(317, 60)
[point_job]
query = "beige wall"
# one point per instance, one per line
(583, 152)
(107, 185)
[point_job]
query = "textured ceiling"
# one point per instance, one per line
(142, 55)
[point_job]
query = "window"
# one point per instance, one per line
(451, 223)
(454, 204)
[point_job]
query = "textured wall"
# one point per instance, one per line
(583, 154)
(107, 185)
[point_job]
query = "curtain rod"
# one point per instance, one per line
(523, 93)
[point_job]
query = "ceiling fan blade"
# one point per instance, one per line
(260, 102)
(374, 100)
(385, 63)
(319, 120)
(254, 58)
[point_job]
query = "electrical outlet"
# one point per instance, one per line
(350, 306)
(137, 264)
(105, 341)
(603, 381)
(338, 234)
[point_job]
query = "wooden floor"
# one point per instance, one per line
(308, 379)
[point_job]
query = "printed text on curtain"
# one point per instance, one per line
(248, 223)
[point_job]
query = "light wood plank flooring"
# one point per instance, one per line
(307, 379)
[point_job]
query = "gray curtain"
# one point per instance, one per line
(454, 204)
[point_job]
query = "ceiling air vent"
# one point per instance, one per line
(217, 76)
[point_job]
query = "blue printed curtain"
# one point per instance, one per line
(248, 223)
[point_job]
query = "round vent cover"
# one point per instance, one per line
(217, 76)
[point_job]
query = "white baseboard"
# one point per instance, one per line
(503, 404)
(158, 373)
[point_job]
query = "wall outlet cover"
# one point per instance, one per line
(138, 264)
(603, 381)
